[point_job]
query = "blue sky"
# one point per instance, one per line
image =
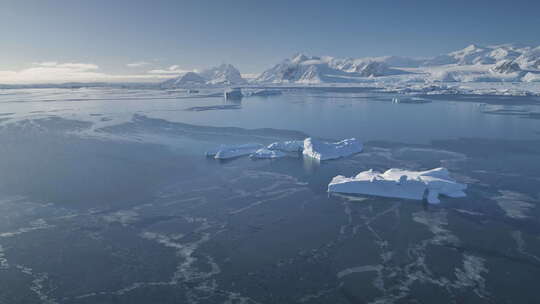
(121, 37)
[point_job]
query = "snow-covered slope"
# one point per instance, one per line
(222, 75)
(189, 79)
(496, 63)
(312, 69)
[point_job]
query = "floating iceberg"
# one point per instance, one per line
(232, 151)
(233, 93)
(324, 150)
(287, 146)
(401, 184)
(266, 153)
(264, 92)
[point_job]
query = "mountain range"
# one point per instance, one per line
(507, 62)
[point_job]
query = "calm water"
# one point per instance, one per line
(106, 197)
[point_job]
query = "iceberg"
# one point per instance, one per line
(264, 92)
(321, 150)
(233, 93)
(233, 151)
(287, 146)
(267, 153)
(400, 183)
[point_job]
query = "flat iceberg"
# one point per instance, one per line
(264, 92)
(324, 150)
(287, 146)
(233, 93)
(401, 184)
(267, 153)
(233, 151)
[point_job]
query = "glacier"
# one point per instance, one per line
(322, 150)
(399, 183)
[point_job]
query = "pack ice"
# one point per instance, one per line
(400, 184)
(322, 150)
(233, 151)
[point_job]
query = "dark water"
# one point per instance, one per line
(106, 197)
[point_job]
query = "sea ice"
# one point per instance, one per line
(287, 146)
(324, 150)
(267, 153)
(232, 151)
(401, 184)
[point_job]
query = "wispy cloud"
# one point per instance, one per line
(137, 64)
(172, 70)
(55, 72)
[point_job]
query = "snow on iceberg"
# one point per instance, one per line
(287, 146)
(233, 151)
(267, 153)
(401, 184)
(321, 150)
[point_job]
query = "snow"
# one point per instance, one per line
(224, 74)
(400, 183)
(267, 153)
(496, 63)
(189, 79)
(287, 146)
(321, 150)
(233, 151)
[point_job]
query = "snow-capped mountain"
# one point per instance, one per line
(189, 79)
(225, 74)
(312, 69)
(507, 62)
(474, 54)
(222, 75)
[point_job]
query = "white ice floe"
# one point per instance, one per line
(232, 151)
(287, 146)
(267, 153)
(401, 184)
(324, 150)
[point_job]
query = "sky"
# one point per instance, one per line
(142, 40)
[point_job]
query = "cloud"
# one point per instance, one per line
(137, 64)
(55, 72)
(172, 70)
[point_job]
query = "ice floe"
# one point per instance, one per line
(322, 150)
(233, 151)
(400, 184)
(312, 148)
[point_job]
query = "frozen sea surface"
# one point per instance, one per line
(106, 196)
